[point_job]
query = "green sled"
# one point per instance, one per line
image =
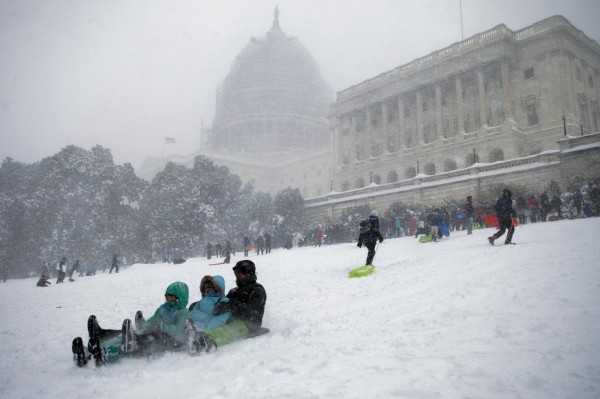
(425, 238)
(361, 271)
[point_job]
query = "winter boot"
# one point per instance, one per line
(204, 343)
(78, 352)
(190, 334)
(127, 337)
(94, 329)
(96, 351)
(491, 240)
(139, 321)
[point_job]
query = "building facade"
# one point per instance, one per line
(496, 96)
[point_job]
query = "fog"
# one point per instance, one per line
(126, 75)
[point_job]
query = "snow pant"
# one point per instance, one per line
(229, 332)
(543, 214)
(61, 276)
(469, 222)
(147, 345)
(113, 267)
(370, 253)
(505, 224)
(435, 232)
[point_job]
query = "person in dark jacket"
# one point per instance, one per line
(267, 243)
(74, 268)
(544, 206)
(247, 306)
(246, 245)
(369, 235)
(114, 264)
(469, 211)
(505, 212)
(62, 270)
(433, 220)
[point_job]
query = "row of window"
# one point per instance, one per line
(429, 168)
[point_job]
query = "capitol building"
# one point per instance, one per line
(501, 106)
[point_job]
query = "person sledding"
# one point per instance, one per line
(369, 235)
(202, 312)
(164, 331)
(246, 303)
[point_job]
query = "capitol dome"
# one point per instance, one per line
(273, 99)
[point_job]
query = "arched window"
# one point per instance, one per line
(392, 177)
(496, 154)
(469, 159)
(449, 165)
(360, 182)
(429, 168)
(376, 179)
(345, 186)
(410, 172)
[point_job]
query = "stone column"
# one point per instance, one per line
(369, 146)
(339, 133)
(419, 110)
(460, 109)
(439, 131)
(507, 97)
(384, 127)
(482, 102)
(352, 157)
(401, 129)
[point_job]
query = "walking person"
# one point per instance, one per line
(74, 268)
(114, 264)
(369, 235)
(505, 212)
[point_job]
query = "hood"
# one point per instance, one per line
(180, 290)
(218, 282)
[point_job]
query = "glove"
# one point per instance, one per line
(220, 308)
(359, 245)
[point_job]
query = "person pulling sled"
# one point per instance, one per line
(369, 235)
(505, 213)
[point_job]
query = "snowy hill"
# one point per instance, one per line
(453, 319)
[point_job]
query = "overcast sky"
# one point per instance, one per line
(126, 74)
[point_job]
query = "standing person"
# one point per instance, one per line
(595, 198)
(208, 250)
(469, 211)
(319, 238)
(260, 245)
(369, 234)
(247, 306)
(62, 270)
(74, 268)
(556, 203)
(433, 220)
(532, 204)
(114, 264)
(544, 206)
(246, 245)
(578, 201)
(505, 212)
(218, 249)
(267, 243)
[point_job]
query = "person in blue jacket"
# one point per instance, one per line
(212, 289)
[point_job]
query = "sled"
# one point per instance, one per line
(425, 238)
(492, 221)
(259, 332)
(361, 271)
(220, 263)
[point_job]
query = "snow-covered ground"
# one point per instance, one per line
(453, 319)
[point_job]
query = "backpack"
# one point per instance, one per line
(365, 225)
